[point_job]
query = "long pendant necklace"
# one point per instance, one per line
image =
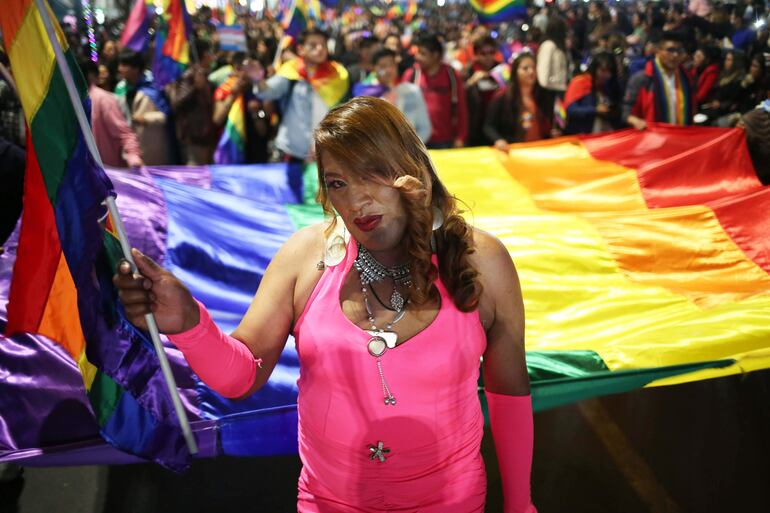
(381, 340)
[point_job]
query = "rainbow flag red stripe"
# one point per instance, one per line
(493, 11)
(62, 247)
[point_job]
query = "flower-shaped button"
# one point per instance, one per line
(378, 451)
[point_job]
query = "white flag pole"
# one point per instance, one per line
(113, 208)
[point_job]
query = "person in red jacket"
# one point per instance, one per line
(661, 91)
(704, 73)
(444, 95)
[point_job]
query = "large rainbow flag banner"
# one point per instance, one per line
(172, 43)
(643, 259)
(62, 248)
(495, 11)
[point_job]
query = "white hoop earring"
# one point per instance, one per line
(336, 246)
(438, 218)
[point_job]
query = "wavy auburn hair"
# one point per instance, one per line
(372, 137)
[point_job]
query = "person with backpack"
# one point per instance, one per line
(444, 95)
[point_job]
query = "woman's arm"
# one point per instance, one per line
(505, 372)
(280, 299)
(227, 363)
(502, 313)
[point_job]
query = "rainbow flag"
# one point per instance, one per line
(231, 148)
(495, 11)
(330, 79)
(411, 11)
(230, 18)
(136, 32)
(396, 11)
(501, 74)
(172, 43)
(62, 247)
(295, 18)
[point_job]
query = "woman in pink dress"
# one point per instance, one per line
(392, 304)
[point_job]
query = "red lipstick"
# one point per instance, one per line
(367, 223)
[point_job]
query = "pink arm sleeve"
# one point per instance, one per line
(510, 417)
(222, 362)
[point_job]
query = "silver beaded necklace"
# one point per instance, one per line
(370, 271)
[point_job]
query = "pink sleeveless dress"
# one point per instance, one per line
(430, 439)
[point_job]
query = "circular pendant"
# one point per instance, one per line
(376, 346)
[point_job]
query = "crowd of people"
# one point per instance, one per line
(568, 68)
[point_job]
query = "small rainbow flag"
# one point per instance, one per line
(136, 32)
(495, 11)
(62, 279)
(396, 11)
(295, 18)
(172, 43)
(230, 18)
(231, 148)
(411, 11)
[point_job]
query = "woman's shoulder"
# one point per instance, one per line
(497, 274)
(304, 245)
(490, 255)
